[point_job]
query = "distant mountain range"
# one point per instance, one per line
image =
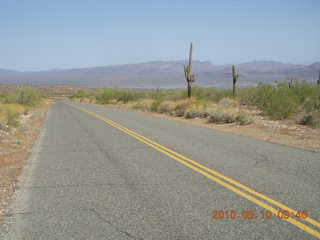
(163, 74)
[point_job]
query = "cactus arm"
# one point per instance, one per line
(190, 59)
(185, 68)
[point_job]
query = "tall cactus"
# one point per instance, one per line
(21, 100)
(290, 82)
(188, 72)
(318, 82)
(235, 76)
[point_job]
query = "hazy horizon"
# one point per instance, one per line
(178, 60)
(46, 35)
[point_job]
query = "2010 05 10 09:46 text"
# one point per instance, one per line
(249, 214)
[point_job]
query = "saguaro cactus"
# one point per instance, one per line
(21, 97)
(235, 76)
(318, 82)
(290, 82)
(188, 72)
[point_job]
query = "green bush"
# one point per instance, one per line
(13, 118)
(80, 94)
(105, 95)
(125, 97)
(26, 96)
(155, 104)
(282, 101)
(243, 118)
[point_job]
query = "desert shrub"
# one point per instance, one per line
(276, 102)
(13, 118)
(104, 96)
(25, 96)
(221, 115)
(125, 97)
(282, 101)
(228, 102)
(155, 104)
(80, 94)
(196, 110)
(311, 119)
(83, 96)
(166, 107)
(243, 118)
(10, 113)
(193, 113)
(143, 104)
(307, 95)
(181, 106)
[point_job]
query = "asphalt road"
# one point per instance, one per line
(89, 178)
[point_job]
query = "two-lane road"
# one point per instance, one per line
(102, 173)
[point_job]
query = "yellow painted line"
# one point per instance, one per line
(278, 204)
(177, 157)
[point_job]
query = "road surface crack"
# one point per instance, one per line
(109, 223)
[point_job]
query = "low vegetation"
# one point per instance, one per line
(21, 114)
(298, 100)
(13, 105)
(10, 113)
(46, 90)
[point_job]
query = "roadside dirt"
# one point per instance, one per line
(285, 132)
(15, 148)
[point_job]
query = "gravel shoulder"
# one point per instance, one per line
(15, 149)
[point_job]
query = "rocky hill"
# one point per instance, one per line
(163, 74)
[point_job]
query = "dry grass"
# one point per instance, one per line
(225, 112)
(229, 102)
(10, 113)
(15, 148)
(181, 106)
(166, 106)
(143, 104)
(197, 111)
(222, 115)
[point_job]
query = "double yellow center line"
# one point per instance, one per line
(214, 176)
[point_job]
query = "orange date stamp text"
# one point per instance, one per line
(249, 214)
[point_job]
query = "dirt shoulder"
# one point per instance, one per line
(285, 132)
(15, 148)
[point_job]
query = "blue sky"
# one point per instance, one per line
(48, 34)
